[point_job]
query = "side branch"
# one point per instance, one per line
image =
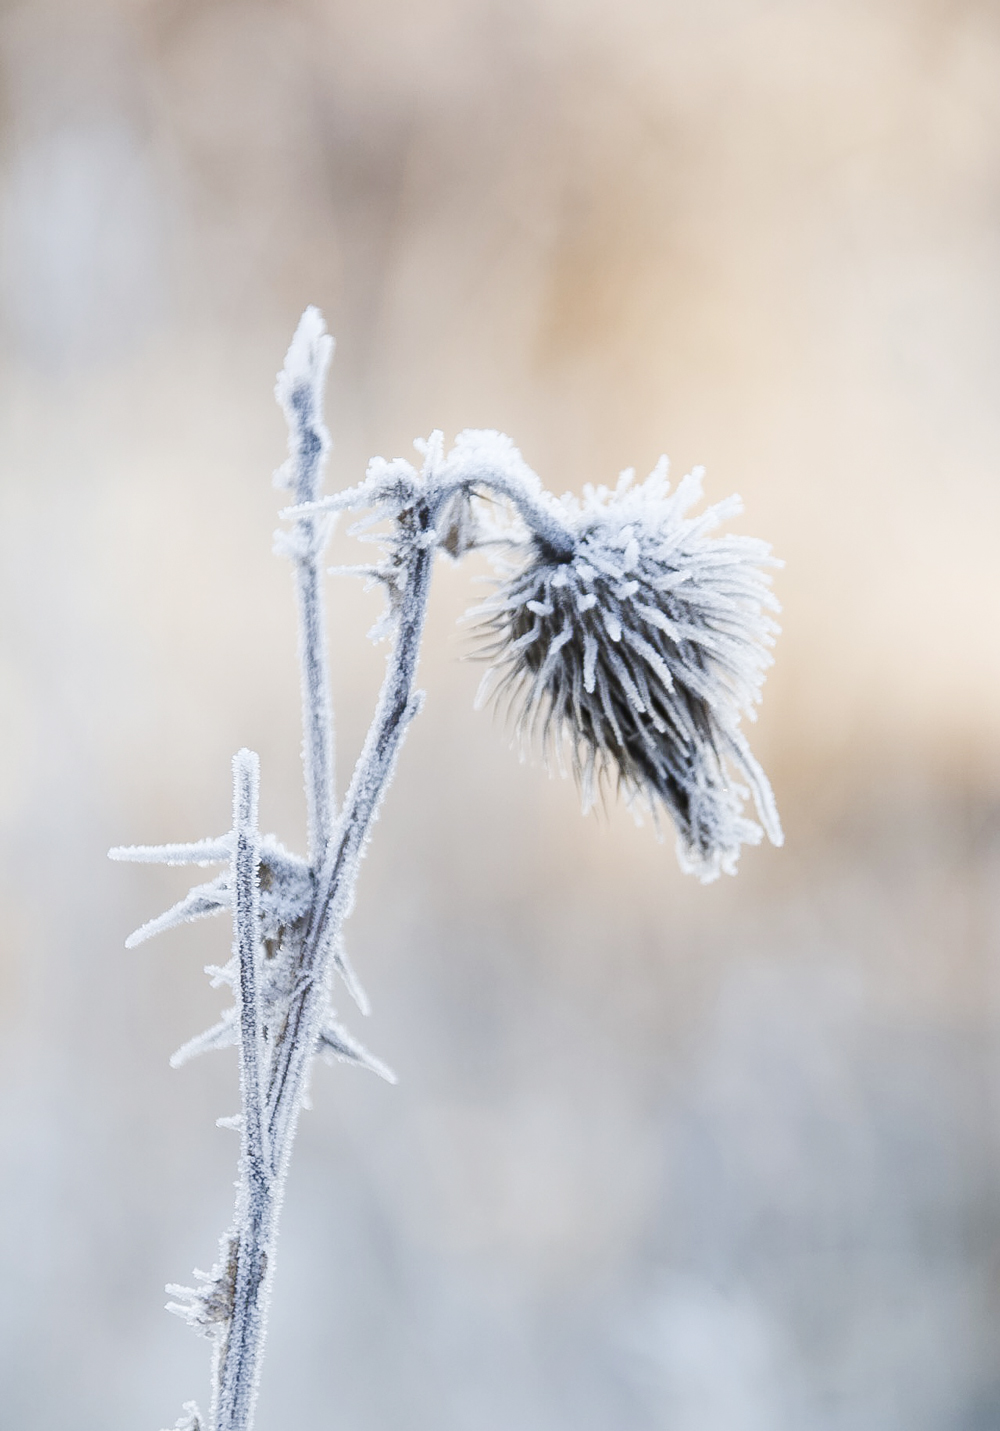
(246, 924)
(299, 390)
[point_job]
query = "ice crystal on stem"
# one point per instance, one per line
(622, 628)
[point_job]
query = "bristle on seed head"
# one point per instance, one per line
(641, 652)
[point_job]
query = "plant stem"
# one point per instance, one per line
(335, 886)
(269, 1122)
(238, 1361)
(299, 390)
(317, 708)
(542, 521)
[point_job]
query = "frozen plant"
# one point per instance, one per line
(620, 630)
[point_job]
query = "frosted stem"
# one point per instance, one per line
(252, 1238)
(516, 483)
(396, 707)
(317, 712)
(651, 685)
(300, 392)
(542, 522)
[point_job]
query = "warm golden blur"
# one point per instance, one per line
(662, 1158)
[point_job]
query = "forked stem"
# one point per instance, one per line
(270, 1116)
(397, 706)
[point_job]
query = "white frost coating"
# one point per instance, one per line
(350, 980)
(287, 911)
(190, 1420)
(306, 366)
(224, 1034)
(252, 1235)
(335, 891)
(299, 390)
(284, 899)
(200, 903)
(625, 632)
(631, 634)
(657, 638)
(201, 852)
(484, 461)
(335, 1043)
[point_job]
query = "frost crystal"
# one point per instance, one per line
(191, 1418)
(642, 650)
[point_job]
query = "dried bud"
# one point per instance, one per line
(642, 651)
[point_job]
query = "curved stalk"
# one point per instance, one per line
(540, 517)
(543, 523)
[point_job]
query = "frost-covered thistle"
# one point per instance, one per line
(626, 632)
(641, 650)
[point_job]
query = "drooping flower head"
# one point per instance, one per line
(639, 645)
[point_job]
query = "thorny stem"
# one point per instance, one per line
(276, 1053)
(239, 1350)
(335, 856)
(269, 1120)
(274, 1065)
(396, 708)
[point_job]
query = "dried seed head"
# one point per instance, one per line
(642, 651)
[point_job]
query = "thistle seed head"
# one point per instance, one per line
(640, 653)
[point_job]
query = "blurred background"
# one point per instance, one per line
(662, 1157)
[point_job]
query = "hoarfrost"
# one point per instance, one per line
(621, 631)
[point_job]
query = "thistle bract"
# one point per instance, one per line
(640, 652)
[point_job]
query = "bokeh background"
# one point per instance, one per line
(662, 1157)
